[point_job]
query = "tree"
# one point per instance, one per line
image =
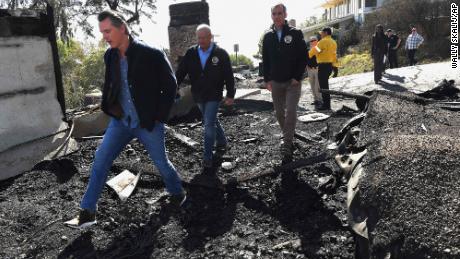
(258, 55)
(310, 21)
(242, 60)
(81, 71)
(71, 55)
(90, 74)
(70, 14)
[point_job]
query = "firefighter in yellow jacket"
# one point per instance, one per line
(326, 55)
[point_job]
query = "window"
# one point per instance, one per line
(359, 4)
(371, 3)
(348, 6)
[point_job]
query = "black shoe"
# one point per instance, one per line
(286, 153)
(84, 220)
(323, 108)
(207, 164)
(316, 103)
(286, 159)
(180, 200)
(221, 149)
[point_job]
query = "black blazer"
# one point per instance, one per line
(151, 82)
(207, 83)
(286, 59)
(379, 44)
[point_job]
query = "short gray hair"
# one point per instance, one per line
(203, 27)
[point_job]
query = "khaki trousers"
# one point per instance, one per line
(314, 83)
(285, 97)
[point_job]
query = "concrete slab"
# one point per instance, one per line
(23, 157)
(415, 79)
(242, 93)
(28, 100)
(90, 124)
(32, 126)
(184, 104)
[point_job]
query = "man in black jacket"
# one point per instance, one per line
(393, 44)
(138, 93)
(378, 50)
(284, 59)
(209, 68)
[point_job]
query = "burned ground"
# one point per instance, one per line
(410, 188)
(294, 214)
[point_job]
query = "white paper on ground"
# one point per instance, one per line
(124, 184)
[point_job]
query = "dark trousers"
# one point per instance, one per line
(324, 72)
(393, 58)
(411, 56)
(378, 66)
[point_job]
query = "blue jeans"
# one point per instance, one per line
(115, 139)
(213, 131)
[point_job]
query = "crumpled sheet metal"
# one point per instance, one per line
(356, 217)
(349, 160)
(353, 122)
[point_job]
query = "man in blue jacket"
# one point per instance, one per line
(209, 69)
(138, 93)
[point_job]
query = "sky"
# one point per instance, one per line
(232, 21)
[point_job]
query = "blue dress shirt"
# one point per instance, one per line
(204, 55)
(279, 33)
(130, 118)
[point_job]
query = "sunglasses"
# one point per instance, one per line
(313, 40)
(277, 13)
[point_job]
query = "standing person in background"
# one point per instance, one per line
(393, 44)
(413, 42)
(209, 69)
(312, 71)
(379, 48)
(385, 56)
(326, 54)
(283, 54)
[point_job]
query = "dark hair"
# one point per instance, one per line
(379, 31)
(115, 18)
(279, 4)
(327, 30)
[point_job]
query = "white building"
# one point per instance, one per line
(340, 9)
(341, 15)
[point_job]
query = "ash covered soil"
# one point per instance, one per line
(411, 187)
(294, 214)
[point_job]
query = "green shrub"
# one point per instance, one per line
(355, 64)
(81, 71)
(242, 60)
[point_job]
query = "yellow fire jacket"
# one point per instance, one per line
(325, 50)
